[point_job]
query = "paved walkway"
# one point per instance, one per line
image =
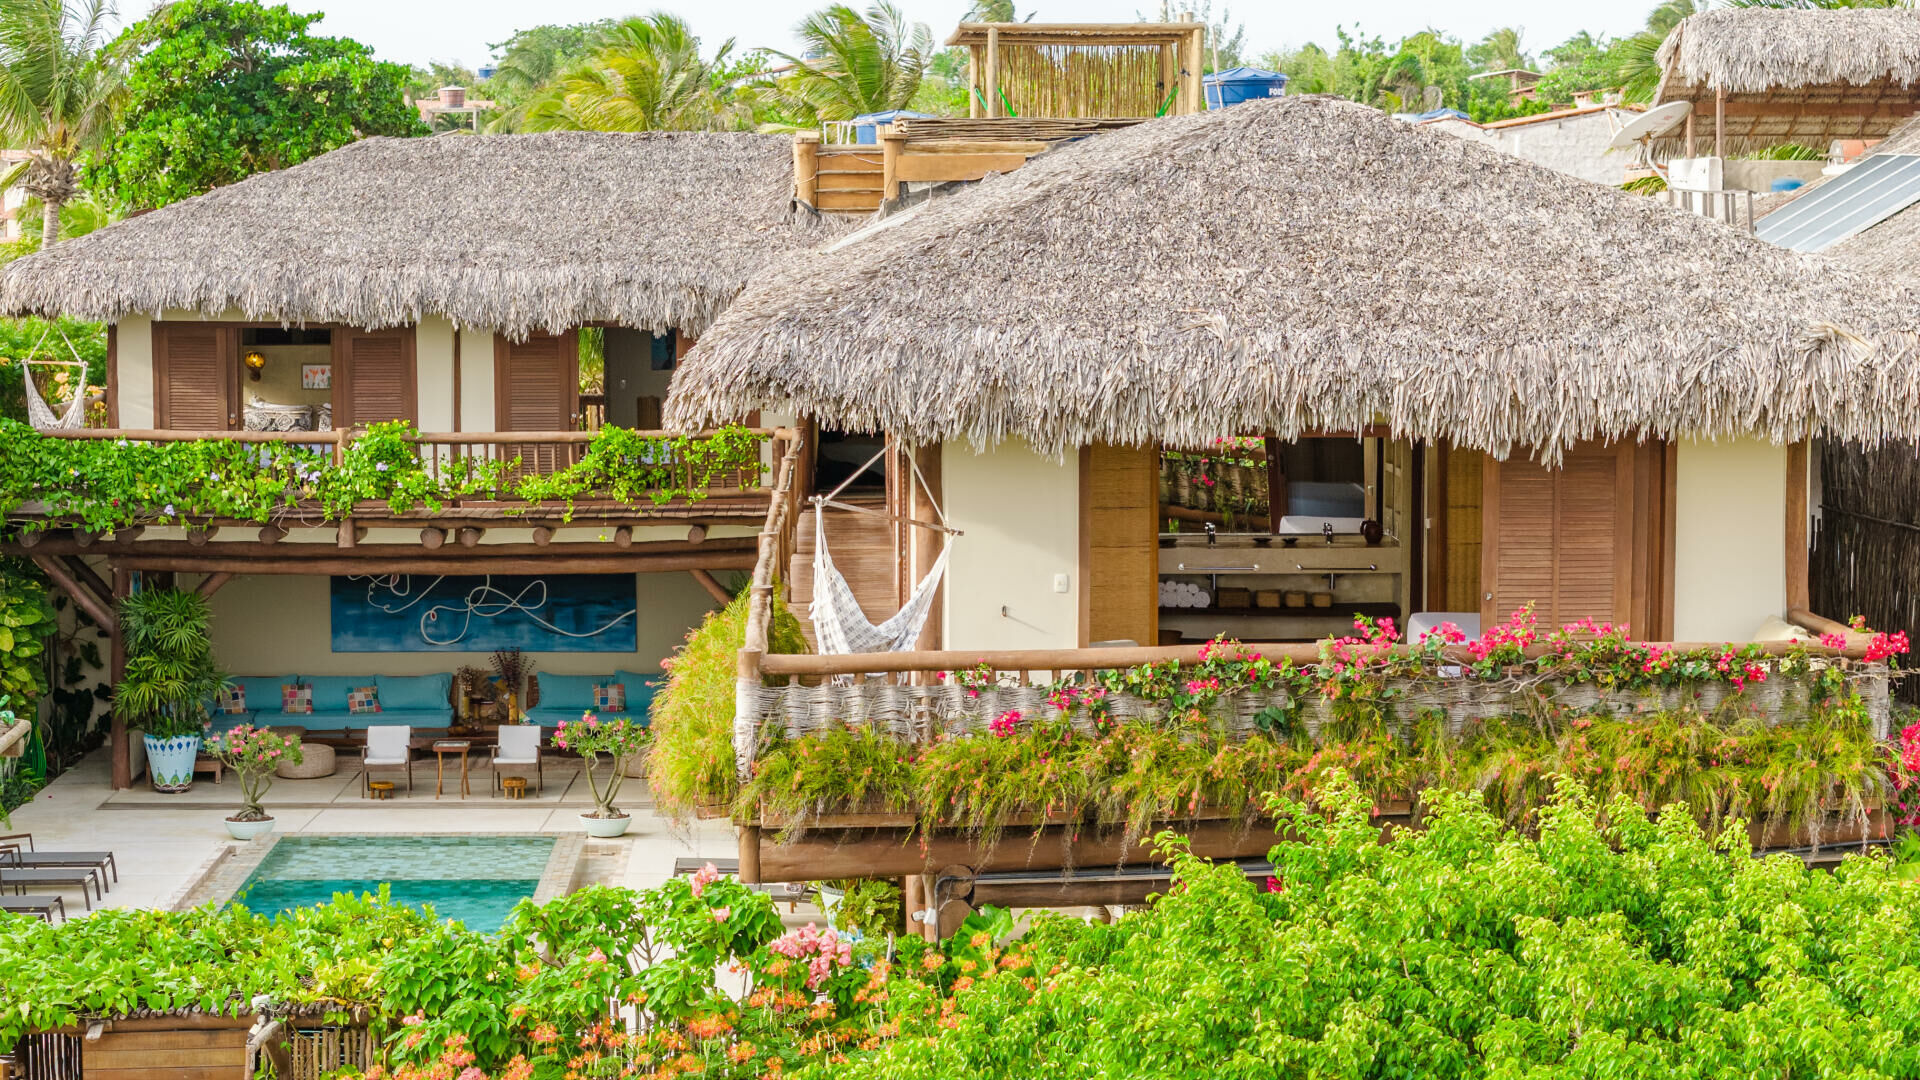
(164, 842)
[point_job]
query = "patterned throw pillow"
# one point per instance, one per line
(231, 701)
(365, 699)
(296, 700)
(610, 697)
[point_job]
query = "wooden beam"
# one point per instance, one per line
(30, 539)
(84, 539)
(823, 854)
(1798, 590)
(696, 534)
(199, 537)
(272, 534)
(542, 536)
(431, 539)
(349, 534)
(470, 536)
(239, 552)
(340, 566)
(83, 597)
(712, 585)
(623, 537)
(212, 582)
(120, 749)
(86, 576)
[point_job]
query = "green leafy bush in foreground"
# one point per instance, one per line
(1633, 949)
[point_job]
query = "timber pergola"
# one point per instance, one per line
(1054, 63)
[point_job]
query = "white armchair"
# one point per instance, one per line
(519, 745)
(389, 746)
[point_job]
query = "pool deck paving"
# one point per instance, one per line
(169, 846)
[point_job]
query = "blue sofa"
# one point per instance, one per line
(565, 697)
(417, 700)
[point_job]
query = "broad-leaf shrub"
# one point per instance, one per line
(1611, 946)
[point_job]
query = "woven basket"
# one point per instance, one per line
(317, 760)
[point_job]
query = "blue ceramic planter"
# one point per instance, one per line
(170, 761)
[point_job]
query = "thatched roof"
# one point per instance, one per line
(508, 232)
(1792, 75)
(1298, 264)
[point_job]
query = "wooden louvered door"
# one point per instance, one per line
(196, 377)
(536, 387)
(1119, 544)
(374, 380)
(1562, 539)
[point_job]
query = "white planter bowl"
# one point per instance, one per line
(247, 830)
(605, 826)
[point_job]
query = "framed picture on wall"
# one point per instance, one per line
(316, 376)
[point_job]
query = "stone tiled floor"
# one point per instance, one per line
(165, 842)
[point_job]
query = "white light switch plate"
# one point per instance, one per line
(1061, 583)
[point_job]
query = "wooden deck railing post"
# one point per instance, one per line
(806, 167)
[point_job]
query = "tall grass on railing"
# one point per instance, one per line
(691, 764)
(628, 467)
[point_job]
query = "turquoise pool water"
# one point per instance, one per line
(474, 879)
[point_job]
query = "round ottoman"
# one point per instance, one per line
(316, 761)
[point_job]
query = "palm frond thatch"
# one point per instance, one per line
(512, 233)
(1750, 50)
(1299, 264)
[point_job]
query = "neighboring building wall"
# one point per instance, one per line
(1020, 512)
(1729, 538)
(278, 624)
(1575, 144)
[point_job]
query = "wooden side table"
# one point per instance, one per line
(443, 747)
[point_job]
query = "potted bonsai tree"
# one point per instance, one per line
(254, 753)
(618, 740)
(170, 680)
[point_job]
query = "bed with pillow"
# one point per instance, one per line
(566, 697)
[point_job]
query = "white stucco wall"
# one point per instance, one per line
(1575, 145)
(476, 380)
(133, 370)
(1020, 512)
(1729, 538)
(433, 374)
(282, 624)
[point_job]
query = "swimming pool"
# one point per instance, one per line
(474, 879)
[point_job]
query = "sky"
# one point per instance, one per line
(419, 31)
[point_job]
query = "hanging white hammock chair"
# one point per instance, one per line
(39, 413)
(839, 624)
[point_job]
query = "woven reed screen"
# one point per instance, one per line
(1866, 543)
(1077, 81)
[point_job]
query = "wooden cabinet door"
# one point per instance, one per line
(536, 387)
(1561, 539)
(374, 377)
(196, 376)
(1119, 543)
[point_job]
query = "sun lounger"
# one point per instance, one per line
(80, 877)
(43, 906)
(11, 855)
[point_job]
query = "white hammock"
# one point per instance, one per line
(839, 625)
(39, 413)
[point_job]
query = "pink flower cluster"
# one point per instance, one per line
(1518, 632)
(1376, 643)
(1446, 634)
(704, 877)
(1006, 723)
(1748, 670)
(1885, 645)
(821, 949)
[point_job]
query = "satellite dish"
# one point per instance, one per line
(1650, 125)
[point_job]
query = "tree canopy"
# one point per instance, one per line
(221, 89)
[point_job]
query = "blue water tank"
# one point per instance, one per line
(1788, 183)
(486, 71)
(1235, 85)
(866, 126)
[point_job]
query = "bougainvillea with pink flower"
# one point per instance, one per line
(618, 739)
(256, 754)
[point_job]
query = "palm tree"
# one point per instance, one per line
(853, 65)
(57, 86)
(646, 75)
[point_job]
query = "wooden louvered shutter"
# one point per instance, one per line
(194, 377)
(1120, 550)
(536, 387)
(1561, 539)
(374, 377)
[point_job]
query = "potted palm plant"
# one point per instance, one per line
(618, 740)
(255, 753)
(170, 678)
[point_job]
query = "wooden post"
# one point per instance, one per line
(890, 147)
(1692, 147)
(83, 598)
(1720, 127)
(806, 167)
(1798, 591)
(120, 746)
(994, 106)
(1169, 70)
(973, 82)
(712, 585)
(927, 544)
(910, 888)
(931, 928)
(212, 582)
(749, 854)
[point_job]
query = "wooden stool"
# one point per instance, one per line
(381, 789)
(514, 787)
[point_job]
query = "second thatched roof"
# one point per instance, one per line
(511, 233)
(1301, 264)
